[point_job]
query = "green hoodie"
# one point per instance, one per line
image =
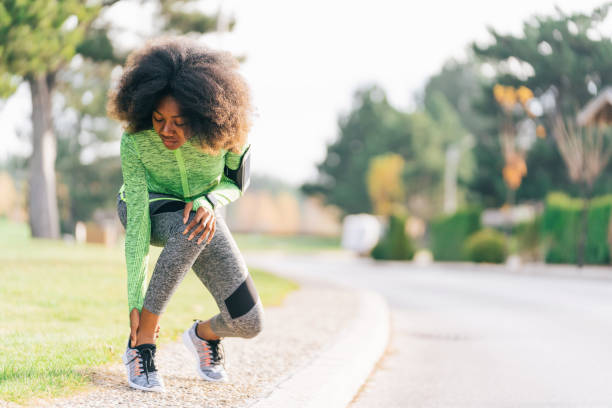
(186, 173)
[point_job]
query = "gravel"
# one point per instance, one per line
(293, 335)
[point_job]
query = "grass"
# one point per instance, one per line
(63, 310)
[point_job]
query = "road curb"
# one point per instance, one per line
(337, 373)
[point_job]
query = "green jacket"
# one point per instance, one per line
(186, 173)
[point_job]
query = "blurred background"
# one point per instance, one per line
(449, 132)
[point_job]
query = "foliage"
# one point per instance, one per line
(449, 233)
(443, 138)
(512, 100)
(384, 180)
(39, 36)
(89, 187)
(565, 59)
(460, 83)
(561, 226)
(486, 245)
(598, 242)
(561, 54)
(449, 99)
(396, 243)
(86, 179)
(373, 127)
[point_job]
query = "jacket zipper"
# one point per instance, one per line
(183, 172)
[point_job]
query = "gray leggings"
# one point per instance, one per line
(219, 265)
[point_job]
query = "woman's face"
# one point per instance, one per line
(169, 124)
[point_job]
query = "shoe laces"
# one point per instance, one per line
(217, 352)
(145, 359)
(214, 349)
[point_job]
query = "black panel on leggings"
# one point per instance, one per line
(169, 206)
(243, 298)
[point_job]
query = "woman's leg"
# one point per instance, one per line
(222, 269)
(175, 260)
(219, 265)
(173, 263)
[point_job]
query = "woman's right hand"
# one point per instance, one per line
(134, 322)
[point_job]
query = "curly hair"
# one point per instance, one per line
(213, 97)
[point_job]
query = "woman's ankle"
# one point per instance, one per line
(144, 340)
(204, 331)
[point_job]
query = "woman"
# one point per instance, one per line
(183, 155)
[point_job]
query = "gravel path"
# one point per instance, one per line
(293, 334)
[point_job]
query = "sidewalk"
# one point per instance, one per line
(270, 370)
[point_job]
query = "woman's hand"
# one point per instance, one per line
(134, 320)
(134, 323)
(204, 221)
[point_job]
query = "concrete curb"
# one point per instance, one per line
(337, 373)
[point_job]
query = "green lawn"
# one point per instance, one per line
(63, 309)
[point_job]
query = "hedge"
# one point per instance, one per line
(395, 244)
(561, 227)
(449, 233)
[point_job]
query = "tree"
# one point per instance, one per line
(385, 185)
(586, 151)
(372, 127)
(448, 97)
(564, 59)
(461, 84)
(38, 38)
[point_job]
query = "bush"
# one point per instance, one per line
(561, 225)
(486, 245)
(395, 244)
(449, 233)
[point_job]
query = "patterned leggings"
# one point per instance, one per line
(219, 265)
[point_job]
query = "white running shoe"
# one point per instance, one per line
(140, 366)
(210, 363)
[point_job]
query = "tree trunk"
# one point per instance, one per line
(42, 202)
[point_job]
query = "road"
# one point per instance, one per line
(482, 338)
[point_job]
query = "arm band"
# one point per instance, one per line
(242, 175)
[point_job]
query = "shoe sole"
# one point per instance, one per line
(189, 344)
(136, 386)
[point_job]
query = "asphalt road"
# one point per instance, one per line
(482, 338)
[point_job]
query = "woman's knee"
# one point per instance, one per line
(250, 324)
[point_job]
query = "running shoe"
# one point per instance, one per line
(140, 366)
(210, 362)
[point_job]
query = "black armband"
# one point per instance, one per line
(242, 175)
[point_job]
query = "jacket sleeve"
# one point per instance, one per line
(138, 227)
(227, 190)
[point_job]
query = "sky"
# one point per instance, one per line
(305, 60)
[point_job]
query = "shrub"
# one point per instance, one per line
(561, 225)
(448, 233)
(395, 244)
(487, 245)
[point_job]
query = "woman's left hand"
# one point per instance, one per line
(204, 221)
